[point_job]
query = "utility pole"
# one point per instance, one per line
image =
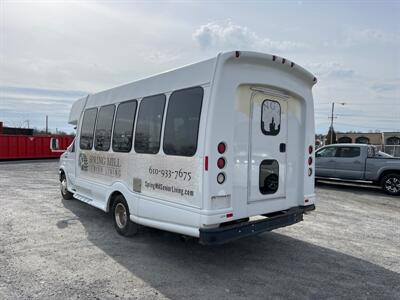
(333, 117)
(27, 122)
(333, 108)
(47, 124)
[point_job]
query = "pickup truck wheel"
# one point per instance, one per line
(122, 222)
(391, 184)
(67, 195)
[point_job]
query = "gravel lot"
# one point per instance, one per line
(54, 249)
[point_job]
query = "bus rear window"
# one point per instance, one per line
(269, 176)
(87, 130)
(182, 122)
(148, 127)
(270, 117)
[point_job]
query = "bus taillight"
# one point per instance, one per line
(221, 148)
(221, 162)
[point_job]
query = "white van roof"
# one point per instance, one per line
(200, 73)
(76, 110)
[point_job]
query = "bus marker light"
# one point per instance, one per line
(229, 215)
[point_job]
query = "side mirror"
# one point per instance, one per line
(54, 144)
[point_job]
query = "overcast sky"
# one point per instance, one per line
(53, 52)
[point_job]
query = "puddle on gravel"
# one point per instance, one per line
(64, 223)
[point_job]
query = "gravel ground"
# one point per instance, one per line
(54, 249)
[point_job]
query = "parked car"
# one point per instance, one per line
(359, 162)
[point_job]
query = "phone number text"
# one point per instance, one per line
(174, 174)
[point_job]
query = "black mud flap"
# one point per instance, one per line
(221, 235)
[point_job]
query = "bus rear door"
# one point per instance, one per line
(267, 147)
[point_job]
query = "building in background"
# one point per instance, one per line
(375, 138)
(388, 142)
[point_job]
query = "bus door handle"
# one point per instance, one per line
(282, 147)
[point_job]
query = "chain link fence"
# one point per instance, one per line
(393, 150)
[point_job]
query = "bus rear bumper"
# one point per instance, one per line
(221, 235)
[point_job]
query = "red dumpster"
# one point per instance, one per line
(31, 146)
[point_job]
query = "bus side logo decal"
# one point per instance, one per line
(83, 161)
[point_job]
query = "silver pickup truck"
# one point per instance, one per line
(359, 162)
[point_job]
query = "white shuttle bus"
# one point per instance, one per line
(217, 150)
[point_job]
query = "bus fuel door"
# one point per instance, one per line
(137, 185)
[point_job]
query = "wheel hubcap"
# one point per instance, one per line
(63, 186)
(121, 216)
(393, 185)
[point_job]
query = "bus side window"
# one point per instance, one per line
(123, 126)
(148, 127)
(87, 130)
(182, 122)
(104, 124)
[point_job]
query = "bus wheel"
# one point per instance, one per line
(391, 184)
(122, 222)
(67, 195)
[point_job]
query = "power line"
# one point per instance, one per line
(361, 115)
(375, 117)
(369, 127)
(363, 104)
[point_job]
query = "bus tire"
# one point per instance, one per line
(390, 183)
(121, 218)
(67, 195)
